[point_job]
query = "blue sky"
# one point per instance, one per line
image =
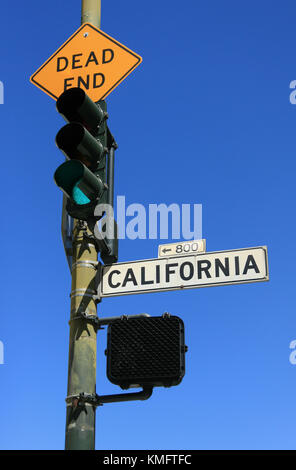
(205, 119)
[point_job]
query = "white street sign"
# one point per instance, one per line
(185, 272)
(182, 248)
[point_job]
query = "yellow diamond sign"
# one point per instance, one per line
(89, 59)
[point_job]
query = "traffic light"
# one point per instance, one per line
(146, 351)
(84, 141)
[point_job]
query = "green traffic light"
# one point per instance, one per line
(78, 196)
(78, 182)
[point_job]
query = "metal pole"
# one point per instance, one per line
(111, 177)
(91, 12)
(80, 421)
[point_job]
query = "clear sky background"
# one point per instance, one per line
(205, 119)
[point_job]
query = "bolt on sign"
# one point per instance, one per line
(89, 59)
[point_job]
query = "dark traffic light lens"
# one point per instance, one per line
(75, 105)
(69, 103)
(78, 144)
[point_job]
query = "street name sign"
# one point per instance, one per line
(182, 248)
(89, 59)
(185, 272)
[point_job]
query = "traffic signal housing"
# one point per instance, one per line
(84, 142)
(146, 351)
(88, 144)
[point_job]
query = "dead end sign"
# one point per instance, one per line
(89, 59)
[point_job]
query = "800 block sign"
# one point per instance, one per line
(182, 248)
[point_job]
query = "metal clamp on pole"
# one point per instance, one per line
(93, 319)
(99, 322)
(97, 400)
(108, 320)
(85, 264)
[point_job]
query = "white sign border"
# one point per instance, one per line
(182, 287)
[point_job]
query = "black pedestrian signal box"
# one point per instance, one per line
(146, 351)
